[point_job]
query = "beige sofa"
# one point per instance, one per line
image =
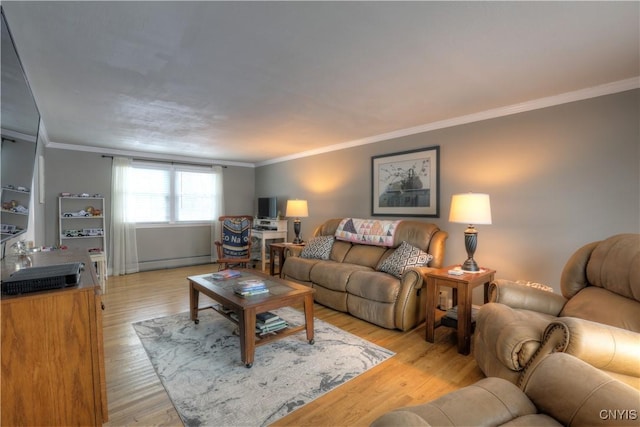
(350, 280)
(597, 317)
(562, 390)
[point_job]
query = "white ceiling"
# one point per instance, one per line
(257, 81)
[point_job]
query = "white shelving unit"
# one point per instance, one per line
(15, 212)
(78, 226)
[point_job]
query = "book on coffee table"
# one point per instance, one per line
(251, 283)
(251, 292)
(226, 274)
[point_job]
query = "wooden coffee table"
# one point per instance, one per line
(282, 293)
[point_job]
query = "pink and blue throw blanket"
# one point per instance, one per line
(367, 231)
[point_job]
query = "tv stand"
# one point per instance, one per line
(270, 224)
(268, 229)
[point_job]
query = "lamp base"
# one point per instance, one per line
(470, 244)
(296, 229)
(470, 265)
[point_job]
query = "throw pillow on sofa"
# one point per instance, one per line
(404, 257)
(318, 248)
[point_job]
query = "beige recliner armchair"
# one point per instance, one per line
(561, 391)
(597, 317)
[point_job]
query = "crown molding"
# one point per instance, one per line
(536, 104)
(19, 135)
(147, 156)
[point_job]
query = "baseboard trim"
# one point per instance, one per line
(174, 263)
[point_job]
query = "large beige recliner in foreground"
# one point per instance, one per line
(597, 317)
(561, 390)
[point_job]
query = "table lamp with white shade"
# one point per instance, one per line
(297, 209)
(471, 209)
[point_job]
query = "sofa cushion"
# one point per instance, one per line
(405, 256)
(333, 275)
(615, 265)
(339, 250)
(318, 248)
(374, 286)
(299, 268)
(596, 304)
(368, 256)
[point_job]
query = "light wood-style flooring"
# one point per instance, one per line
(419, 371)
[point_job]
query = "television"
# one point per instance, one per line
(267, 208)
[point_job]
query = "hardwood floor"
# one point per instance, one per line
(419, 371)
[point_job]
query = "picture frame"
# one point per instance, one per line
(406, 183)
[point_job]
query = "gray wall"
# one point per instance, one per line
(166, 247)
(73, 172)
(558, 178)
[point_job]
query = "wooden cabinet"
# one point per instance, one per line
(52, 350)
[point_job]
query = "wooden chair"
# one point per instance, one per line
(234, 246)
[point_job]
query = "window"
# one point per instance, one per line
(160, 193)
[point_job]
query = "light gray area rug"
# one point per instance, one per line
(201, 369)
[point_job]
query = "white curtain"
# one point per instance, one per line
(123, 250)
(218, 210)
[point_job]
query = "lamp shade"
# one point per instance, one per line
(470, 208)
(297, 208)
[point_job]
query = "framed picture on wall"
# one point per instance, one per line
(406, 183)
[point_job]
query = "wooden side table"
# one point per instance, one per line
(265, 235)
(279, 249)
(462, 290)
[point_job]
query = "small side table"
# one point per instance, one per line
(100, 258)
(279, 249)
(462, 290)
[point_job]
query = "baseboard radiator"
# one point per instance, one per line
(173, 263)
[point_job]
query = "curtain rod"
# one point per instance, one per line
(171, 162)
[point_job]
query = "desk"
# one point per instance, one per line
(265, 235)
(462, 289)
(279, 250)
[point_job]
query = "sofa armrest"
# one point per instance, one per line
(437, 248)
(516, 295)
(602, 346)
(421, 282)
(490, 401)
(513, 336)
(412, 300)
(575, 393)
